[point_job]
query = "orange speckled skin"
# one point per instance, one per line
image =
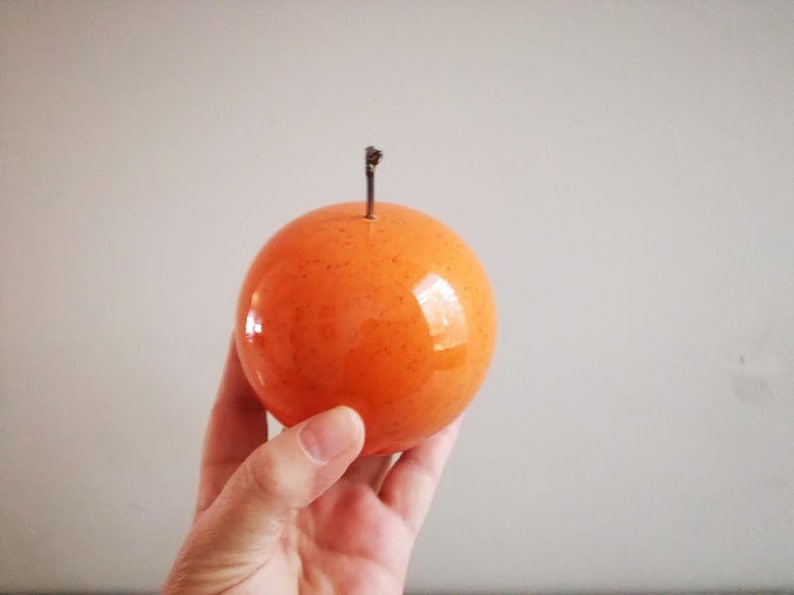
(394, 317)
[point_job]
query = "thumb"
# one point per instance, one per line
(238, 533)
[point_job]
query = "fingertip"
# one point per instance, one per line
(355, 420)
(234, 389)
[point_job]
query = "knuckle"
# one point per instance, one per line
(263, 476)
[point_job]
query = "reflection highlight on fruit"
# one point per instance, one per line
(443, 312)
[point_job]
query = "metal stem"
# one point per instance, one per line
(373, 157)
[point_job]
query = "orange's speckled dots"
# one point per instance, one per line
(392, 316)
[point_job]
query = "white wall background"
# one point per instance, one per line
(624, 170)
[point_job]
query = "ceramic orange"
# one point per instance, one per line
(392, 316)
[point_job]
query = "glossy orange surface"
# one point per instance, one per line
(394, 317)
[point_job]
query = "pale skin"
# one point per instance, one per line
(302, 513)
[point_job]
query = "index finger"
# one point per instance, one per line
(237, 426)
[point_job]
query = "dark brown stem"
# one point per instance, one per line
(373, 157)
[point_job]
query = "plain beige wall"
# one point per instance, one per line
(623, 169)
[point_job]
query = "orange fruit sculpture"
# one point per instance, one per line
(385, 310)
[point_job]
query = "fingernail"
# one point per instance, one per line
(329, 434)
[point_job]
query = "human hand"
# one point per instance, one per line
(302, 513)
